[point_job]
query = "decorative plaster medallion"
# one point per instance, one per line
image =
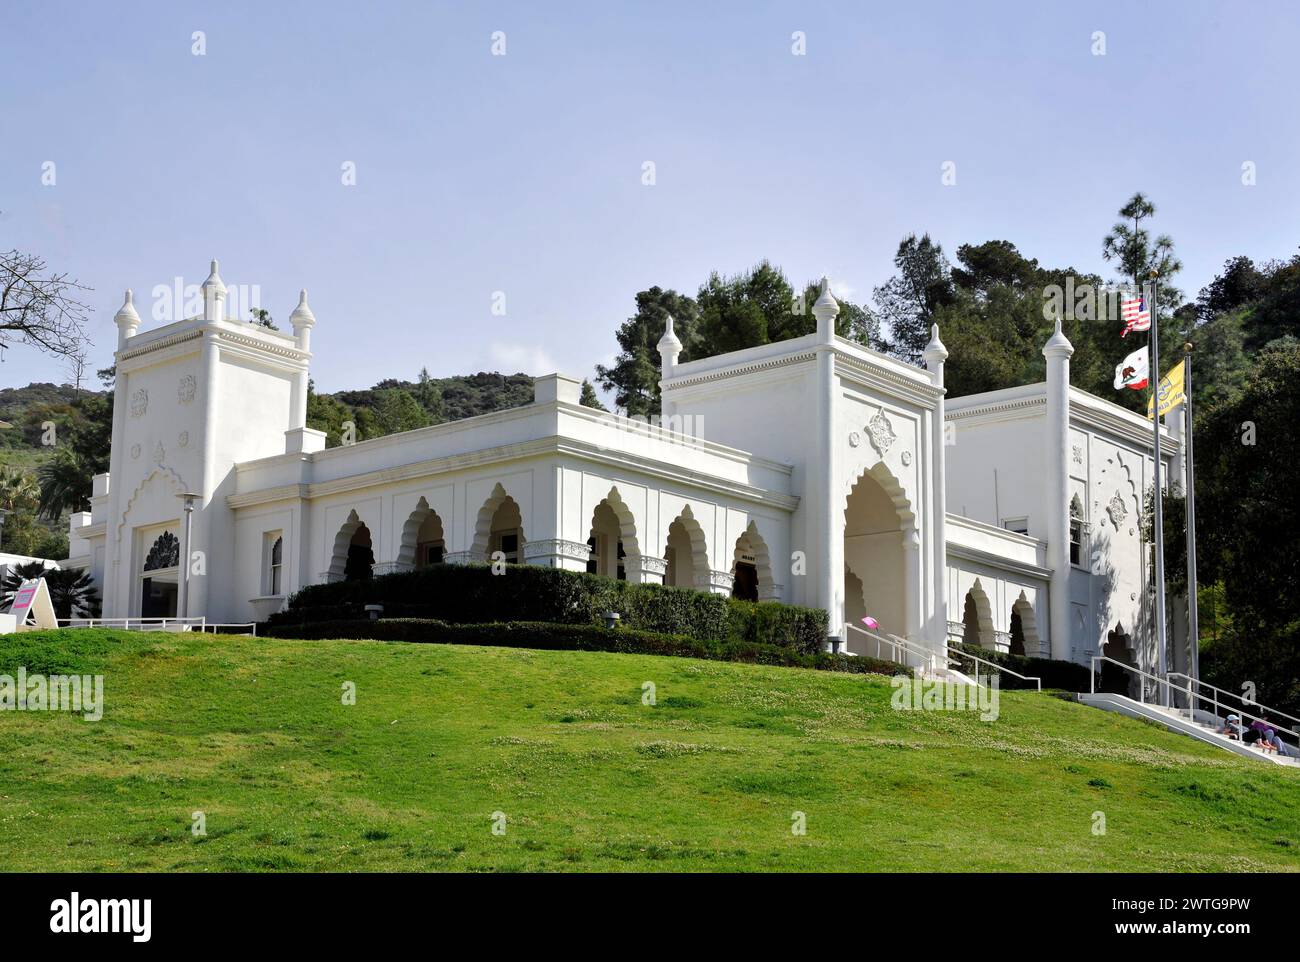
(135, 451)
(183, 439)
(854, 439)
(139, 403)
(881, 433)
(1117, 510)
(159, 453)
(1078, 454)
(907, 458)
(187, 388)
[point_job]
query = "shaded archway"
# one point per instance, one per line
(160, 577)
(1114, 679)
(423, 540)
(878, 521)
(353, 551)
(686, 552)
(613, 538)
(499, 528)
(1024, 628)
(751, 567)
(977, 618)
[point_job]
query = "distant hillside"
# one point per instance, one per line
(464, 396)
(24, 408)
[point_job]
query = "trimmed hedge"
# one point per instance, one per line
(1064, 675)
(552, 637)
(472, 594)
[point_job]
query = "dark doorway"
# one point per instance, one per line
(745, 585)
(1017, 634)
(158, 599)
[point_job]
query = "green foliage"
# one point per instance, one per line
(469, 594)
(1130, 245)
(72, 592)
(589, 397)
(634, 376)
(548, 636)
(907, 302)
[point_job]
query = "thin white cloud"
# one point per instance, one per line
(511, 357)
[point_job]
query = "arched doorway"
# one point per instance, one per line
(608, 553)
(1115, 679)
(499, 528)
(751, 567)
(361, 556)
(876, 524)
(686, 553)
(977, 618)
(160, 577)
(353, 552)
(423, 541)
(1024, 628)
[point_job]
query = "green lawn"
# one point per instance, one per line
(254, 734)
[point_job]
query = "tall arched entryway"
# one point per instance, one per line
(686, 552)
(160, 576)
(751, 567)
(1024, 628)
(877, 524)
(353, 553)
(423, 540)
(499, 528)
(1114, 679)
(977, 618)
(612, 541)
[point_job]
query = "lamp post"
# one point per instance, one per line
(188, 497)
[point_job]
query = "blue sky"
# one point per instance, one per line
(523, 173)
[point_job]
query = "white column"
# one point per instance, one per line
(935, 355)
(823, 474)
(210, 355)
(1056, 476)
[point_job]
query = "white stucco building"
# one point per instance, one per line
(812, 471)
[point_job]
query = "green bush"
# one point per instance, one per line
(569, 637)
(1064, 675)
(472, 594)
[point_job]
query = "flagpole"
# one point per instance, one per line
(1154, 289)
(1193, 620)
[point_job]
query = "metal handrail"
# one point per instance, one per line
(896, 643)
(199, 624)
(962, 653)
(1188, 691)
(1233, 694)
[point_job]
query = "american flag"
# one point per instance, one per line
(1133, 312)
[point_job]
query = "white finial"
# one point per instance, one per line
(126, 315)
(669, 342)
(935, 348)
(214, 296)
(302, 315)
(825, 310)
(1058, 345)
(214, 281)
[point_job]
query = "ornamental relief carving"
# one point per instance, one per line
(881, 433)
(139, 403)
(187, 388)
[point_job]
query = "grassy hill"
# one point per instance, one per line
(254, 734)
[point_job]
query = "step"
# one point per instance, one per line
(1176, 720)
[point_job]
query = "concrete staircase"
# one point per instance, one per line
(1204, 726)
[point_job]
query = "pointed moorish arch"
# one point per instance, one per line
(487, 514)
(695, 546)
(977, 618)
(751, 542)
(880, 536)
(627, 534)
(343, 543)
(1023, 611)
(406, 553)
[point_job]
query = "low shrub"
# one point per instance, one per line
(1065, 675)
(472, 594)
(569, 637)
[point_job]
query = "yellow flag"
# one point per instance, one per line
(1171, 390)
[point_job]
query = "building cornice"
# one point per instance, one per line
(1000, 562)
(224, 336)
(539, 447)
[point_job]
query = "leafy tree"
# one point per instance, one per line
(395, 410)
(429, 396)
(326, 413)
(72, 592)
(1241, 283)
(1131, 246)
(634, 375)
(1278, 312)
(1246, 481)
(589, 397)
(906, 303)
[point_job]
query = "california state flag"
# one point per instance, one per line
(1133, 372)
